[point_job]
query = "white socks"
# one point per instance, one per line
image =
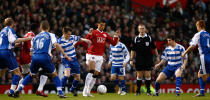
(87, 83)
(92, 83)
(43, 80)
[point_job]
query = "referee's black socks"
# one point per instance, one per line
(139, 81)
(148, 82)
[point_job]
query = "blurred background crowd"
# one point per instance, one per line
(82, 15)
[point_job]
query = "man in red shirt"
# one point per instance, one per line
(94, 57)
(25, 59)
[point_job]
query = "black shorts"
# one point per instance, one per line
(144, 64)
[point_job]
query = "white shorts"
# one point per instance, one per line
(25, 68)
(98, 61)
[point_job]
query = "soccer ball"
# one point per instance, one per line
(102, 89)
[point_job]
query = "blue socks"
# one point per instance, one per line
(178, 84)
(202, 85)
(15, 81)
(64, 81)
(26, 80)
(74, 85)
(157, 87)
(123, 85)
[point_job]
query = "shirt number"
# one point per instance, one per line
(1, 39)
(40, 43)
(208, 43)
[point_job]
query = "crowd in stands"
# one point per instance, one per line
(81, 15)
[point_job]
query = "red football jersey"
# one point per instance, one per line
(99, 40)
(25, 57)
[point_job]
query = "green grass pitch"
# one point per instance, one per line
(110, 96)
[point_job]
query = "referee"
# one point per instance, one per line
(141, 52)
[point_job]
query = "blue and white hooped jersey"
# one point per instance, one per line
(202, 38)
(7, 38)
(43, 42)
(173, 55)
(68, 45)
(118, 54)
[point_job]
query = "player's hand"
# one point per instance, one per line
(156, 66)
(90, 31)
(109, 64)
(157, 59)
(88, 41)
(131, 63)
(124, 65)
(183, 55)
(183, 67)
(67, 57)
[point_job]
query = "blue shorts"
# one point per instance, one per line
(42, 60)
(73, 65)
(205, 64)
(7, 60)
(118, 70)
(169, 71)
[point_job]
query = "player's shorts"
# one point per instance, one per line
(7, 60)
(25, 68)
(73, 65)
(42, 60)
(98, 61)
(144, 64)
(118, 70)
(169, 71)
(205, 64)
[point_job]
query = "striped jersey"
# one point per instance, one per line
(7, 38)
(173, 55)
(202, 38)
(118, 54)
(68, 45)
(43, 42)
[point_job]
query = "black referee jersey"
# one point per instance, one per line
(143, 46)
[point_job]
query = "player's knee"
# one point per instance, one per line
(54, 74)
(121, 78)
(77, 77)
(113, 77)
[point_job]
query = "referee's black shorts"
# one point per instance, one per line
(144, 64)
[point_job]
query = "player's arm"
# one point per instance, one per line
(85, 40)
(13, 38)
(163, 61)
(132, 57)
(110, 57)
(185, 59)
(114, 40)
(193, 43)
(90, 34)
(59, 48)
(127, 56)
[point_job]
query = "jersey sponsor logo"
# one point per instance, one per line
(100, 40)
(147, 43)
(104, 35)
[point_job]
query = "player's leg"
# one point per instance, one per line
(147, 75)
(42, 82)
(98, 64)
(139, 81)
(75, 83)
(178, 75)
(13, 67)
(121, 75)
(65, 78)
(113, 76)
(91, 64)
(75, 70)
(162, 76)
(25, 71)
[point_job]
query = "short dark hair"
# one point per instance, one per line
(8, 21)
(102, 21)
(172, 37)
(67, 29)
(45, 25)
(34, 27)
(201, 24)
